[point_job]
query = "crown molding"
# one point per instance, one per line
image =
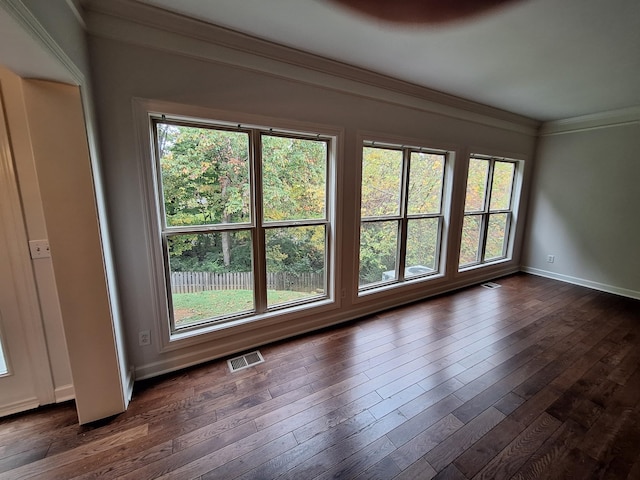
(23, 16)
(140, 24)
(612, 118)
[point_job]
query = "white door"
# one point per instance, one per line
(25, 374)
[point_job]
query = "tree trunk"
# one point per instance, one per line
(226, 248)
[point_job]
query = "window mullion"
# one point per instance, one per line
(404, 207)
(487, 207)
(258, 232)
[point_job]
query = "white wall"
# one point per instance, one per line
(134, 60)
(584, 203)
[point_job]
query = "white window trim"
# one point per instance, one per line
(144, 110)
(451, 152)
(516, 199)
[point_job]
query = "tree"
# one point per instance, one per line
(381, 199)
(206, 181)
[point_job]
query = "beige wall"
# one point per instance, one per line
(17, 123)
(584, 204)
(58, 139)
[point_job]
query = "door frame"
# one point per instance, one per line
(17, 250)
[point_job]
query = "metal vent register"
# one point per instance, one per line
(245, 361)
(491, 285)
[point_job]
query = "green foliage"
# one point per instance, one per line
(295, 249)
(293, 178)
(205, 175)
(378, 250)
(501, 188)
(206, 181)
(381, 180)
(382, 172)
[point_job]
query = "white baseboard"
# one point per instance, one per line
(128, 392)
(65, 393)
(20, 406)
(625, 292)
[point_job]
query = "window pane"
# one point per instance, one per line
(205, 175)
(3, 362)
(425, 183)
(295, 263)
(210, 275)
(502, 185)
(378, 251)
(476, 185)
(294, 173)
(381, 181)
(470, 243)
(496, 236)
(422, 243)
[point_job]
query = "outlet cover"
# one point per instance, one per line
(551, 258)
(39, 248)
(144, 338)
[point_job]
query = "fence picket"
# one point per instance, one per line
(192, 282)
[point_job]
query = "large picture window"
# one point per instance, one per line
(488, 210)
(244, 218)
(401, 214)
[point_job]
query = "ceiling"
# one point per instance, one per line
(545, 59)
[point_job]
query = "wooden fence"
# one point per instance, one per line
(190, 282)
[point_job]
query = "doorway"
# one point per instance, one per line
(25, 374)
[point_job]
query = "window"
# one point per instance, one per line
(488, 210)
(401, 214)
(244, 219)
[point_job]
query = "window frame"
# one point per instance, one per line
(486, 212)
(402, 217)
(256, 226)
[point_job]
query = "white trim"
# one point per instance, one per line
(25, 287)
(65, 393)
(139, 24)
(625, 292)
(34, 28)
(128, 390)
(76, 13)
(20, 406)
(613, 118)
(142, 110)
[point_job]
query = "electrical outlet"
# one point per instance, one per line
(144, 337)
(551, 258)
(39, 248)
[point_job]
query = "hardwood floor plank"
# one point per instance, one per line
(480, 453)
(383, 470)
(450, 473)
(537, 379)
(242, 464)
(553, 451)
(43, 468)
(453, 446)
(516, 453)
(426, 441)
(420, 422)
(341, 451)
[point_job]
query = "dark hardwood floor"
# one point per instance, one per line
(536, 379)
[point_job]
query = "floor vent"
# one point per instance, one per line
(491, 285)
(245, 361)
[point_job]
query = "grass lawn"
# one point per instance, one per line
(192, 307)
